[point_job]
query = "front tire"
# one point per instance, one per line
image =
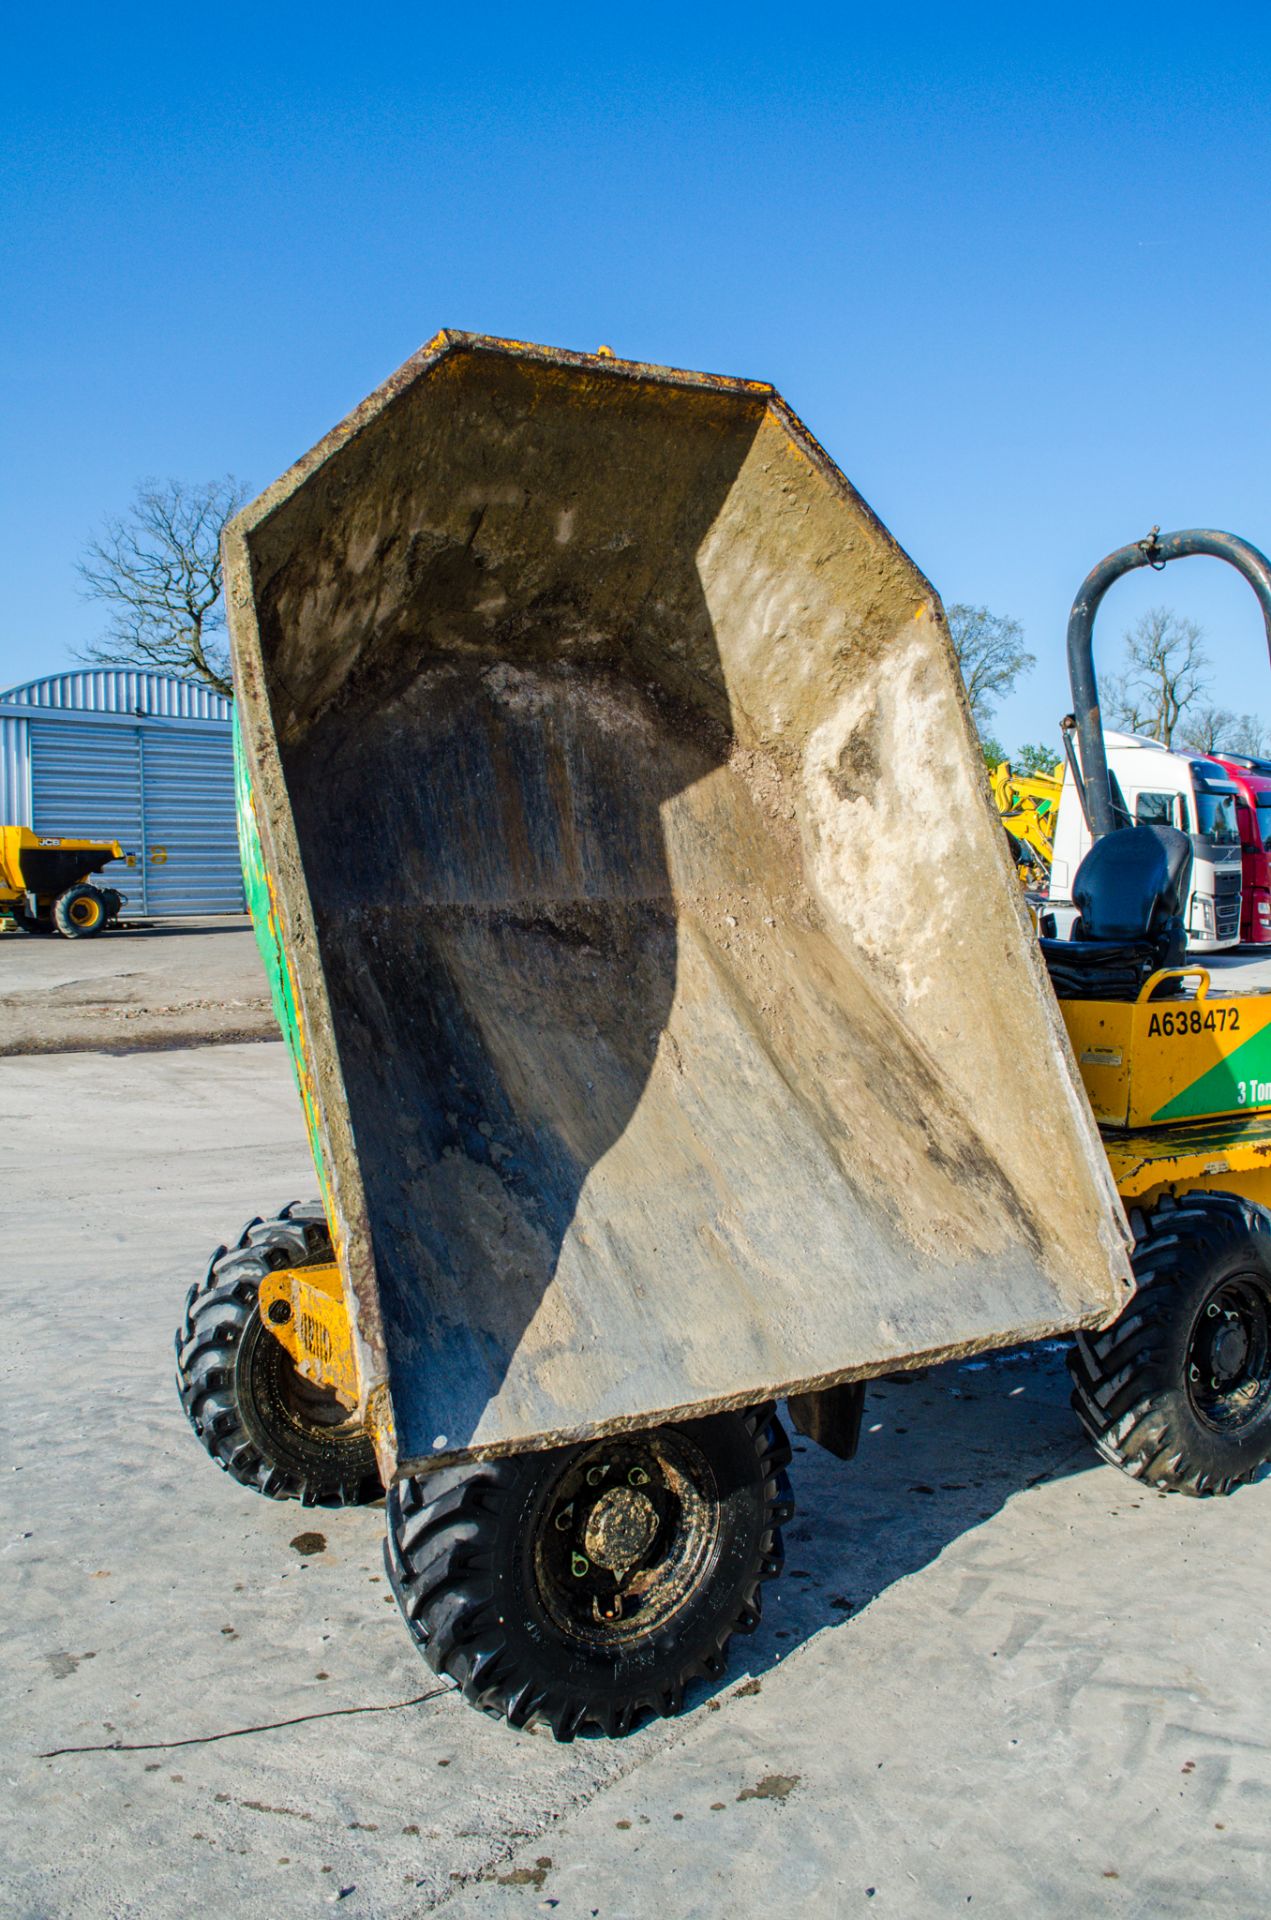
(1177, 1392)
(589, 1585)
(261, 1421)
(81, 912)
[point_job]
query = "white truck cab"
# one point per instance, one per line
(1155, 786)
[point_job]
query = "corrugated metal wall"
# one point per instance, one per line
(15, 770)
(116, 763)
(188, 784)
(86, 784)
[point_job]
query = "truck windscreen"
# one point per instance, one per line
(1264, 818)
(1216, 818)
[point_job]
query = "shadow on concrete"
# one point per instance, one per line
(940, 1454)
(178, 929)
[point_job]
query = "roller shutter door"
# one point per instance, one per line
(165, 793)
(190, 836)
(86, 785)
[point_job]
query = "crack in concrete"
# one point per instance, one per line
(238, 1733)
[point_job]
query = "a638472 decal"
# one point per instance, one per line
(1189, 1020)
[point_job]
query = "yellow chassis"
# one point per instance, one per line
(304, 1309)
(1180, 1084)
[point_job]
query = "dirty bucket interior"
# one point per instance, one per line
(655, 937)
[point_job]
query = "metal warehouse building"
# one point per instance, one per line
(110, 754)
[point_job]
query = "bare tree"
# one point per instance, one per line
(1207, 728)
(1123, 705)
(991, 653)
(1248, 734)
(1166, 672)
(158, 569)
(1218, 730)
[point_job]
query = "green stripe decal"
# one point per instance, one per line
(269, 940)
(1218, 1090)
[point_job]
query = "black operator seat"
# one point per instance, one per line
(1131, 892)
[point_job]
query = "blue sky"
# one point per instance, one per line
(1011, 265)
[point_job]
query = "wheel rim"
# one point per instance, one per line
(85, 912)
(1229, 1354)
(313, 1413)
(624, 1536)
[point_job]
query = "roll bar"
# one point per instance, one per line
(1156, 552)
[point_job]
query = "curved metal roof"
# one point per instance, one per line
(121, 690)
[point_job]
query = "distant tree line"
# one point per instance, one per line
(1161, 691)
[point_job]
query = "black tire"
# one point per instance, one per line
(269, 1429)
(1178, 1390)
(33, 923)
(81, 912)
(490, 1585)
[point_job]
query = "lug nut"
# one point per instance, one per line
(280, 1312)
(579, 1565)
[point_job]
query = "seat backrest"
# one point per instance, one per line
(1132, 883)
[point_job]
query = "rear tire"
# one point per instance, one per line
(261, 1421)
(34, 923)
(81, 912)
(1177, 1392)
(589, 1585)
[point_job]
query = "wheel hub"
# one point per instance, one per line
(1231, 1348)
(1229, 1355)
(620, 1530)
(625, 1533)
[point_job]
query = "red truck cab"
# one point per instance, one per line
(1252, 780)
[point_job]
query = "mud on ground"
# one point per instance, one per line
(154, 984)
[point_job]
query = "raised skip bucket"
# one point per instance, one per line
(673, 1031)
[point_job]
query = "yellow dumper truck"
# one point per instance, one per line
(44, 884)
(643, 1091)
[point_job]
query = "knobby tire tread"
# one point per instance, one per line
(1123, 1390)
(438, 1555)
(218, 1311)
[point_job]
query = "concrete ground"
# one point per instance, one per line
(994, 1678)
(1241, 971)
(159, 983)
(180, 983)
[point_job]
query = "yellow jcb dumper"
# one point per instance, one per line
(643, 1089)
(44, 885)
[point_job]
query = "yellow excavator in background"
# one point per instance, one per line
(1029, 806)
